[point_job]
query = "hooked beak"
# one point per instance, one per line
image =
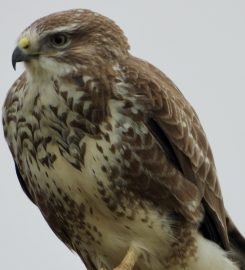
(19, 56)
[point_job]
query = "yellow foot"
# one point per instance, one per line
(129, 260)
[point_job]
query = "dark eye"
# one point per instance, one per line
(59, 40)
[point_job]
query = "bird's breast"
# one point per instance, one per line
(88, 212)
(86, 183)
(85, 189)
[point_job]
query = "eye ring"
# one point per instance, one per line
(59, 40)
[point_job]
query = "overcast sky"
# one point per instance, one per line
(199, 44)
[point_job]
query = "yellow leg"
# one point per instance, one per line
(129, 260)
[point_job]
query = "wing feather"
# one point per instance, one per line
(177, 128)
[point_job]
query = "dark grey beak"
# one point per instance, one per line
(19, 56)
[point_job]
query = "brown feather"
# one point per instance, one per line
(170, 110)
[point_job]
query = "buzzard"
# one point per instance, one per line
(112, 153)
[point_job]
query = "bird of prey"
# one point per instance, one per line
(112, 153)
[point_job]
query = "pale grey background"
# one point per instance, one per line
(199, 44)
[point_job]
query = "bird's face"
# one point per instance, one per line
(64, 41)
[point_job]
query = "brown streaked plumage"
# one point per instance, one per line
(112, 153)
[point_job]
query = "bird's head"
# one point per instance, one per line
(65, 40)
